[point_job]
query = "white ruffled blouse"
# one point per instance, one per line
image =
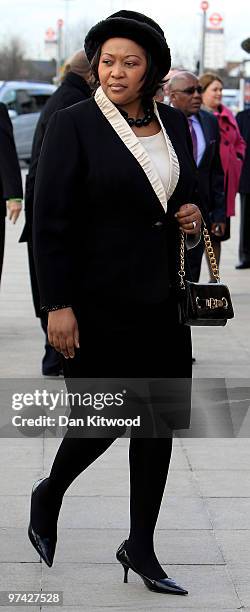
(135, 146)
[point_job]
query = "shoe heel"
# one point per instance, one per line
(126, 568)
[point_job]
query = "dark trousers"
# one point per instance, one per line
(51, 362)
(2, 238)
(244, 246)
(194, 258)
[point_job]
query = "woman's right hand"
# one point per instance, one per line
(63, 331)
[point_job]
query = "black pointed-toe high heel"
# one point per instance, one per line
(45, 546)
(163, 585)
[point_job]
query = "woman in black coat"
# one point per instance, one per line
(116, 180)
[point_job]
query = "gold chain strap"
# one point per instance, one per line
(181, 271)
(210, 253)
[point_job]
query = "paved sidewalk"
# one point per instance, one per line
(203, 535)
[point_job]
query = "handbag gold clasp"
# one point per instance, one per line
(212, 303)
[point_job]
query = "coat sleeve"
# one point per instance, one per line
(240, 144)
(240, 121)
(10, 173)
(30, 179)
(218, 206)
(55, 211)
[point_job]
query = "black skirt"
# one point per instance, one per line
(146, 351)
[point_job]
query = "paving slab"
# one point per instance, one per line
(173, 547)
(14, 511)
(211, 454)
(235, 546)
(16, 547)
(240, 576)
(99, 513)
(118, 452)
(95, 481)
(208, 586)
(223, 483)
(18, 452)
(20, 576)
(19, 479)
(231, 514)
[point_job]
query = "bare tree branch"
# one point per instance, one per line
(11, 59)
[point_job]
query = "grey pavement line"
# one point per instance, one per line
(159, 529)
(234, 586)
(111, 564)
(220, 548)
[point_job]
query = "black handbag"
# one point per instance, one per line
(200, 303)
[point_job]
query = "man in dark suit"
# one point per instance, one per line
(11, 191)
(185, 94)
(74, 88)
(243, 120)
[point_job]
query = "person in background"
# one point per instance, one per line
(185, 94)
(243, 120)
(11, 192)
(74, 88)
(232, 148)
(162, 94)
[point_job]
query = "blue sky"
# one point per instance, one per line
(180, 20)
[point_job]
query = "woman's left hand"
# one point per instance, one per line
(14, 208)
(189, 218)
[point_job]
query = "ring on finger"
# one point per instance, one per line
(194, 223)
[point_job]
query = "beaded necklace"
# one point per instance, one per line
(148, 117)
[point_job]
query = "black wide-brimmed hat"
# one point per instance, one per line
(137, 27)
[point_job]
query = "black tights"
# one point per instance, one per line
(149, 461)
(136, 352)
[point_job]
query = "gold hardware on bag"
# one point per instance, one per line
(212, 302)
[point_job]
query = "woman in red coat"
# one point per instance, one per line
(232, 148)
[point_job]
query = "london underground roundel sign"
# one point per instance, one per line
(215, 20)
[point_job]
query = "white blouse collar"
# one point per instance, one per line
(131, 141)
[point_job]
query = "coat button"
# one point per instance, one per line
(158, 224)
(226, 143)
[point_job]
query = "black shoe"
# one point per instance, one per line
(163, 585)
(45, 546)
(243, 266)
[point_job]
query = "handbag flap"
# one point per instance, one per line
(210, 300)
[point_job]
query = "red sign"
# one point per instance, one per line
(50, 35)
(215, 20)
(60, 23)
(204, 6)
